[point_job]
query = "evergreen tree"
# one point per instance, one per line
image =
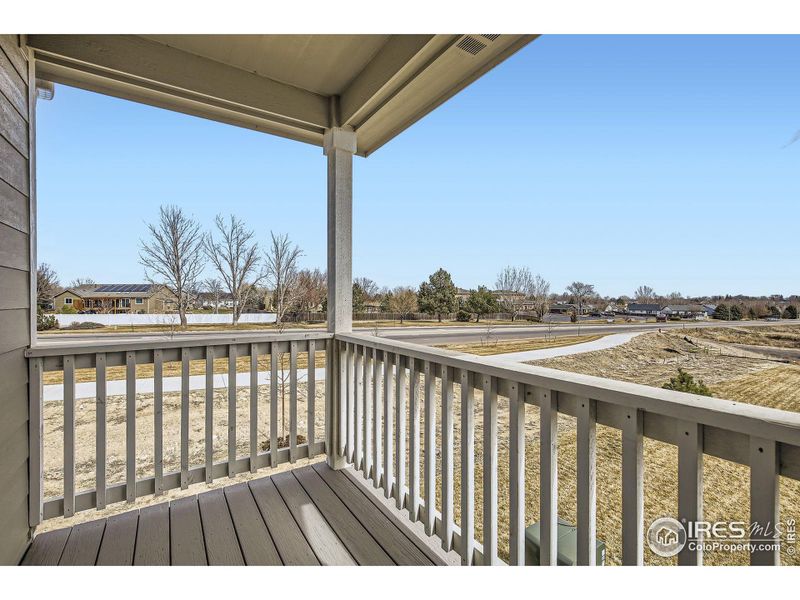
(790, 312)
(481, 302)
(437, 296)
(722, 312)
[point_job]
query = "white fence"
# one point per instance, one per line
(163, 319)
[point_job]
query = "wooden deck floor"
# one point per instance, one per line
(309, 516)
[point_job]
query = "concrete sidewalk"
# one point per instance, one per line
(604, 343)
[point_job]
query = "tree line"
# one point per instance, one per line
(177, 251)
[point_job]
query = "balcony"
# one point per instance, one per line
(405, 430)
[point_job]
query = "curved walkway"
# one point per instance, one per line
(604, 343)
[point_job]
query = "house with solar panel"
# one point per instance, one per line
(115, 298)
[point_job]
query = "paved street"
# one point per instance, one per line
(428, 335)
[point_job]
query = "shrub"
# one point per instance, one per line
(463, 316)
(684, 382)
(68, 310)
(790, 312)
(45, 322)
(84, 325)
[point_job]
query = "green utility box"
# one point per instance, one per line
(567, 545)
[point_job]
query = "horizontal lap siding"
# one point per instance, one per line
(14, 299)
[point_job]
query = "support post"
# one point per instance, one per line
(339, 145)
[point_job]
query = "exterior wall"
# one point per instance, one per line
(60, 301)
(15, 298)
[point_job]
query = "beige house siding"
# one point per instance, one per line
(14, 298)
(60, 301)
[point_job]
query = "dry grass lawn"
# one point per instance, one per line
(786, 336)
(506, 346)
(196, 367)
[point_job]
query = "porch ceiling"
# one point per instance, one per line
(294, 86)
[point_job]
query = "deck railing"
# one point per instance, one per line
(380, 380)
(283, 351)
(393, 410)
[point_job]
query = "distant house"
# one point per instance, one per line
(116, 298)
(207, 300)
(646, 310)
(563, 308)
(710, 309)
(687, 311)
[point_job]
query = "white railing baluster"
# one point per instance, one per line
(585, 474)
(184, 418)
(489, 470)
(358, 396)
(253, 407)
(388, 423)
(547, 400)
(430, 448)
(69, 436)
(516, 405)
(231, 410)
(413, 452)
(36, 441)
(764, 500)
(158, 419)
(447, 459)
(292, 401)
(100, 427)
(130, 427)
(690, 485)
(467, 469)
(273, 403)
(311, 388)
(633, 488)
(209, 426)
(400, 433)
(344, 400)
(377, 419)
(366, 460)
(347, 384)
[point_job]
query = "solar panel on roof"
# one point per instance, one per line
(127, 288)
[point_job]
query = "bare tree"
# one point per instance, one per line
(213, 287)
(580, 291)
(675, 296)
(368, 286)
(517, 281)
(403, 300)
(79, 281)
(174, 255)
(235, 257)
(644, 294)
(281, 260)
(47, 284)
(539, 293)
(312, 289)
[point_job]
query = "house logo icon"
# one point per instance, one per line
(666, 536)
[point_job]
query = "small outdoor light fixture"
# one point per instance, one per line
(45, 90)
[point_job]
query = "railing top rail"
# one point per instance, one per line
(92, 346)
(768, 423)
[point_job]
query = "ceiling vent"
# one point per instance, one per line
(471, 45)
(490, 36)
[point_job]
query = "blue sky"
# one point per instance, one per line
(615, 160)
